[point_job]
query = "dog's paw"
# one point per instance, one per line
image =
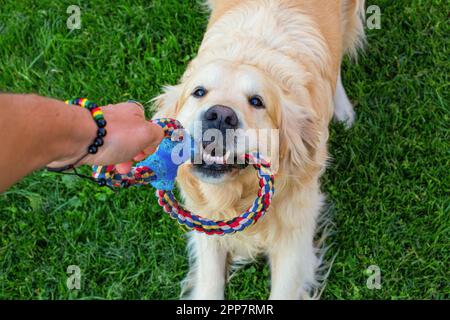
(343, 108)
(344, 112)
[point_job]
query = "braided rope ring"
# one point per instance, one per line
(167, 200)
(170, 205)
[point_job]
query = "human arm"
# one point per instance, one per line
(38, 132)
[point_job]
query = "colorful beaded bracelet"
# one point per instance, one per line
(97, 115)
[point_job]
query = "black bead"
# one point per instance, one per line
(101, 132)
(92, 149)
(98, 142)
(101, 123)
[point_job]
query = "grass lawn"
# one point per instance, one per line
(388, 183)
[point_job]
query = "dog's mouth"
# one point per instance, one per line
(213, 165)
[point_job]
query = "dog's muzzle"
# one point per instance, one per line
(218, 144)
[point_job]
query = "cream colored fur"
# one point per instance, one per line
(290, 51)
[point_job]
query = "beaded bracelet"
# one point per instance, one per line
(99, 119)
(97, 115)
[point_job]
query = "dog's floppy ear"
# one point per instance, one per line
(167, 103)
(299, 137)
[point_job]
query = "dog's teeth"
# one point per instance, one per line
(215, 159)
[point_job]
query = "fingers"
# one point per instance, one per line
(124, 168)
(156, 133)
(148, 138)
(141, 156)
(144, 138)
(137, 103)
(129, 105)
(150, 150)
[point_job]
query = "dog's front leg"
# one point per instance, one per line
(292, 256)
(293, 266)
(208, 268)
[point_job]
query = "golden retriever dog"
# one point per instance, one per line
(264, 64)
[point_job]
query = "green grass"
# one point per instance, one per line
(388, 184)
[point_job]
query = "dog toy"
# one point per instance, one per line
(159, 170)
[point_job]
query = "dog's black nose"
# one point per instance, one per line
(221, 117)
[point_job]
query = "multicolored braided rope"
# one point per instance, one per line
(156, 171)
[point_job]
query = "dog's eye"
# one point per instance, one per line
(199, 92)
(257, 102)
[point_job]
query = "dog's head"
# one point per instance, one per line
(232, 109)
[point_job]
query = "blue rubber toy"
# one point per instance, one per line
(165, 161)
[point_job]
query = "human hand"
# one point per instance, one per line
(130, 137)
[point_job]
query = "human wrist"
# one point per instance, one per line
(77, 134)
(85, 130)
